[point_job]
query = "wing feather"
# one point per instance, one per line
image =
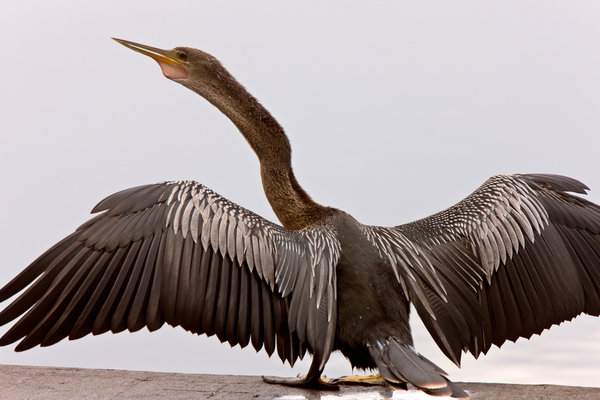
(31, 326)
(243, 317)
(514, 257)
(184, 291)
(76, 306)
(210, 300)
(223, 298)
(137, 318)
(179, 253)
(119, 316)
(256, 320)
(268, 324)
(233, 305)
(170, 275)
(154, 318)
(57, 330)
(104, 321)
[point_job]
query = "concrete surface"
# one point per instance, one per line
(21, 382)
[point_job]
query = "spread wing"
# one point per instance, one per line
(513, 258)
(179, 253)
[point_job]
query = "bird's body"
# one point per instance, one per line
(516, 256)
(366, 317)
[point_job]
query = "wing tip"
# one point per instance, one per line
(558, 182)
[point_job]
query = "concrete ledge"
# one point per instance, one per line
(21, 382)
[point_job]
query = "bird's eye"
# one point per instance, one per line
(182, 56)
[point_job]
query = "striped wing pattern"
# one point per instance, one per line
(179, 253)
(514, 257)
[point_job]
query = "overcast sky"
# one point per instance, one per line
(395, 110)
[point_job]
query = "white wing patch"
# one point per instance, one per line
(495, 219)
(274, 252)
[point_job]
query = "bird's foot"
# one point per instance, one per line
(323, 383)
(360, 380)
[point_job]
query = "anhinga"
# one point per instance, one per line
(516, 256)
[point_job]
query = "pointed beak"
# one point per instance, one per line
(159, 55)
(172, 67)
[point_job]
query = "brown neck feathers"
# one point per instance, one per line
(292, 205)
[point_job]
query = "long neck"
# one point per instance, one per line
(292, 205)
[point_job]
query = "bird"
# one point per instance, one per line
(518, 255)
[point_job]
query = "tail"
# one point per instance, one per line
(399, 364)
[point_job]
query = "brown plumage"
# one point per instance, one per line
(516, 256)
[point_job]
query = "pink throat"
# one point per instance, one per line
(172, 71)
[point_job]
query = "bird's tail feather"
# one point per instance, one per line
(400, 364)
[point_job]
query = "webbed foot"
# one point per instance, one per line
(303, 382)
(360, 380)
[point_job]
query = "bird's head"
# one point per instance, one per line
(184, 65)
(204, 74)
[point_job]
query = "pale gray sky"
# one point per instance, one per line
(394, 109)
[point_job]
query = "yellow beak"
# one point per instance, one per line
(155, 53)
(171, 67)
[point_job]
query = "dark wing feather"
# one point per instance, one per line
(515, 257)
(179, 253)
